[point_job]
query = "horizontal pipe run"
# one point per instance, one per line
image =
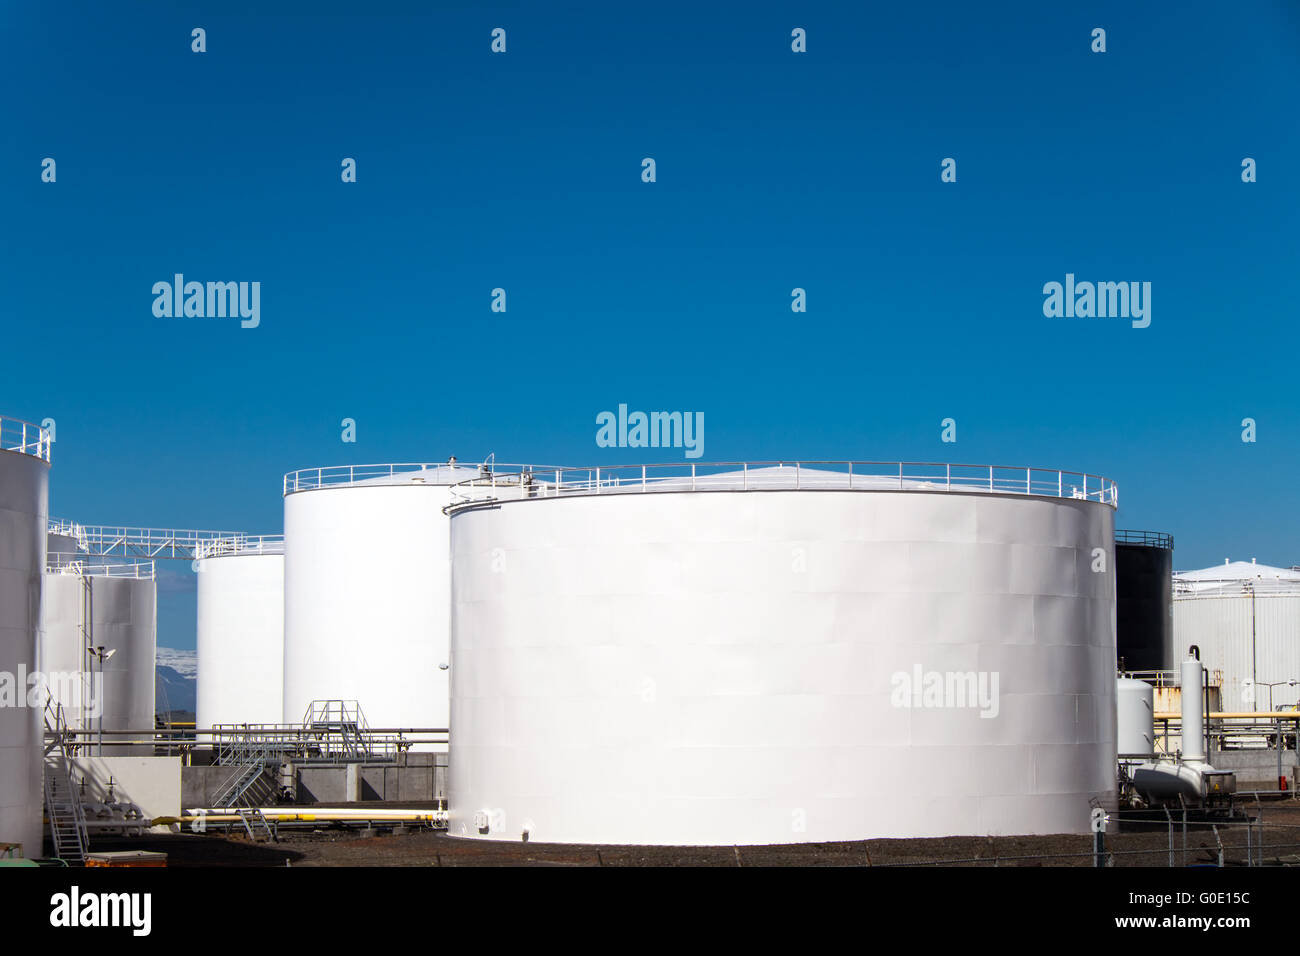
(1239, 715)
(307, 815)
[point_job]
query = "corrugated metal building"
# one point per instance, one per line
(1245, 618)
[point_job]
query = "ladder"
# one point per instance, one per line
(254, 816)
(62, 802)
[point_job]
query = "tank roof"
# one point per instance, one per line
(1237, 577)
(450, 472)
(548, 481)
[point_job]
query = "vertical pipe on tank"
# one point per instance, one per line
(1192, 718)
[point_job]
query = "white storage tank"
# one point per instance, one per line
(1245, 618)
(754, 655)
(24, 497)
(366, 582)
(64, 537)
(99, 647)
(1135, 701)
(241, 632)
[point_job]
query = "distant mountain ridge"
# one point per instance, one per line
(175, 681)
(183, 662)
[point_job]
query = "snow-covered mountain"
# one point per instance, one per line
(175, 672)
(185, 663)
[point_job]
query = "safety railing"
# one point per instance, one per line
(1147, 539)
(24, 437)
(332, 731)
(160, 543)
(98, 566)
(1233, 587)
(448, 472)
(549, 481)
(240, 544)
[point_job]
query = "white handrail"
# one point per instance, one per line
(800, 475)
(432, 473)
(24, 437)
(96, 566)
(179, 543)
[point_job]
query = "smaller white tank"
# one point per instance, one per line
(241, 632)
(1187, 778)
(1135, 699)
(98, 646)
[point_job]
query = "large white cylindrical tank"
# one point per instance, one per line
(1135, 703)
(366, 591)
(24, 496)
(775, 665)
(241, 638)
(113, 607)
(1245, 618)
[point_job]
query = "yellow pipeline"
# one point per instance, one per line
(1239, 715)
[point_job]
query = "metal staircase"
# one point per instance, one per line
(62, 802)
(251, 753)
(336, 730)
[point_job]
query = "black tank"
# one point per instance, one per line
(1144, 566)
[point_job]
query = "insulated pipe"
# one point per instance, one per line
(1193, 725)
(307, 815)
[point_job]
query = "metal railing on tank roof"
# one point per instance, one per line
(1147, 539)
(24, 438)
(449, 472)
(549, 482)
(97, 566)
(240, 544)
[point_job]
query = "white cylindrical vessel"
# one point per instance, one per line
(241, 636)
(1193, 724)
(59, 543)
(100, 645)
(1135, 701)
(24, 495)
(366, 584)
(1245, 618)
(783, 655)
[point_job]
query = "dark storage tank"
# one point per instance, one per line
(1144, 563)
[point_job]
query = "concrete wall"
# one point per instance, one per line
(1255, 769)
(151, 783)
(421, 777)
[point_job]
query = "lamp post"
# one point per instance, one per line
(1277, 725)
(101, 654)
(1277, 683)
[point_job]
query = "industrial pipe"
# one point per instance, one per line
(306, 815)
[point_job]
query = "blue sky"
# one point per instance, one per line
(775, 170)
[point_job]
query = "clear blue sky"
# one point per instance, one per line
(775, 170)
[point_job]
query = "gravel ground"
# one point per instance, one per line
(1135, 845)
